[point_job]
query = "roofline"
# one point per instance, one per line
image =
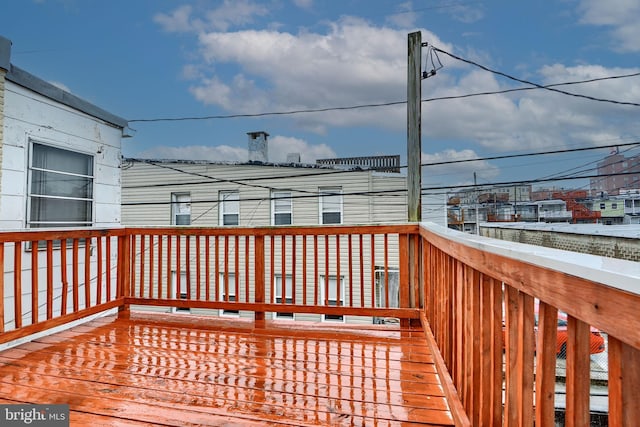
(46, 89)
(248, 163)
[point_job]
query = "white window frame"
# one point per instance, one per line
(332, 281)
(32, 196)
(225, 198)
(326, 205)
(277, 208)
(232, 294)
(183, 290)
(180, 206)
(277, 296)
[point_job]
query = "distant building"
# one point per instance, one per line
(390, 164)
(616, 172)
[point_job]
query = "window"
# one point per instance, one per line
(183, 290)
(60, 188)
(332, 297)
(614, 206)
(232, 297)
(281, 208)
(288, 298)
(330, 205)
(392, 280)
(229, 207)
(603, 206)
(180, 209)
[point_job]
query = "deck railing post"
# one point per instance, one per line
(259, 276)
(124, 274)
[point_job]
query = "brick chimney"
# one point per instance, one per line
(258, 148)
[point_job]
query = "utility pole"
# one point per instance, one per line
(414, 149)
(414, 174)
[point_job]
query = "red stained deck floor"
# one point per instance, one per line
(183, 370)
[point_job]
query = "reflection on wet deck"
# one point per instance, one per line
(185, 370)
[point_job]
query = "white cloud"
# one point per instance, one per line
(197, 152)
(456, 173)
(310, 70)
(303, 4)
(404, 17)
(279, 147)
(230, 13)
(621, 15)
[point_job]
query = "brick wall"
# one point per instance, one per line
(608, 246)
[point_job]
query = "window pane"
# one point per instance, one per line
(60, 210)
(61, 185)
(230, 219)
(183, 220)
(47, 157)
(331, 218)
(282, 219)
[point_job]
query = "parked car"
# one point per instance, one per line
(596, 340)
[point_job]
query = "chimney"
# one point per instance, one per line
(258, 148)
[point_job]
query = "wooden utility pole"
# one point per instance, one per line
(414, 154)
(414, 149)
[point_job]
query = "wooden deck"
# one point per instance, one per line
(185, 370)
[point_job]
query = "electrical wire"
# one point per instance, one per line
(547, 87)
(392, 103)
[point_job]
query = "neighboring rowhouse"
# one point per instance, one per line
(259, 193)
(60, 161)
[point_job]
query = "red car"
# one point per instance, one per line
(596, 340)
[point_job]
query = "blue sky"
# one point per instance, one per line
(148, 59)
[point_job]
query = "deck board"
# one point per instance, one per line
(187, 370)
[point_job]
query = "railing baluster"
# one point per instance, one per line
(63, 277)
(34, 282)
(283, 275)
(259, 275)
(198, 267)
(169, 256)
(316, 274)
(187, 260)
(361, 257)
(151, 264)
(17, 284)
(350, 267)
(141, 257)
(159, 268)
(216, 290)
(49, 279)
(108, 266)
(236, 267)
(76, 274)
(372, 260)
(87, 272)
(207, 252)
(386, 269)
(99, 263)
(304, 269)
(339, 301)
(546, 364)
(246, 268)
(178, 283)
(293, 268)
(578, 363)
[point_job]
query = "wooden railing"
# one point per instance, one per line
(480, 302)
(477, 298)
(49, 278)
(242, 269)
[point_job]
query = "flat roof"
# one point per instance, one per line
(631, 231)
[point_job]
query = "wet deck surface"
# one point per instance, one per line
(160, 370)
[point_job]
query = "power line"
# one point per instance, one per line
(500, 73)
(392, 103)
(244, 181)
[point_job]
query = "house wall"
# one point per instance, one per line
(29, 116)
(147, 189)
